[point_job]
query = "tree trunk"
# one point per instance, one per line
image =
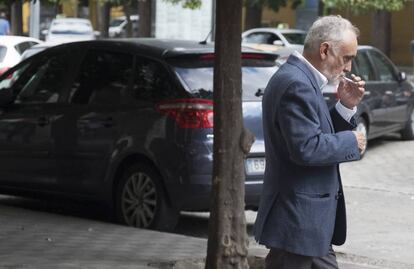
(127, 12)
(381, 31)
(227, 241)
(104, 17)
(144, 12)
(16, 18)
(253, 18)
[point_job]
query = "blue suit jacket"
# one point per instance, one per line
(302, 209)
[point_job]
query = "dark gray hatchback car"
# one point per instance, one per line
(126, 122)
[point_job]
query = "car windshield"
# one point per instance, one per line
(198, 77)
(71, 28)
(116, 22)
(295, 38)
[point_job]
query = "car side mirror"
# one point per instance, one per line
(45, 32)
(96, 33)
(278, 43)
(402, 76)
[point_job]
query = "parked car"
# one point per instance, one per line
(272, 39)
(388, 104)
(128, 123)
(12, 48)
(70, 30)
(38, 48)
(118, 25)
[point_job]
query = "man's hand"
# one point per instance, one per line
(350, 93)
(362, 142)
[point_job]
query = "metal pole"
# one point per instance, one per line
(34, 21)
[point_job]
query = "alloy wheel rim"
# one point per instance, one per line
(139, 200)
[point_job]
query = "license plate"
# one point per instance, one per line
(255, 166)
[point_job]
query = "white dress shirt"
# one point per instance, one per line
(322, 82)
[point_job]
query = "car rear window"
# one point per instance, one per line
(197, 76)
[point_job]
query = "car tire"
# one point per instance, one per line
(408, 132)
(362, 127)
(141, 200)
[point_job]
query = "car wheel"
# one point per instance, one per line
(408, 132)
(141, 201)
(363, 128)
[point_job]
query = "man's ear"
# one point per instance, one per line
(323, 50)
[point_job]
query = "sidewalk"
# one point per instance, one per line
(39, 240)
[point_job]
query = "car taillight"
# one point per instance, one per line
(189, 113)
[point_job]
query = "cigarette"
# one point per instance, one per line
(349, 80)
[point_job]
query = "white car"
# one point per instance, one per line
(12, 48)
(117, 26)
(272, 39)
(64, 30)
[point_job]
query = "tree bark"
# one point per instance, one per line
(227, 241)
(253, 18)
(127, 12)
(17, 18)
(381, 31)
(104, 16)
(144, 12)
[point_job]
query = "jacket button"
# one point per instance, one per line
(338, 194)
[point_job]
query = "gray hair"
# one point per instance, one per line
(328, 29)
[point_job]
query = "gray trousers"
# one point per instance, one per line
(280, 259)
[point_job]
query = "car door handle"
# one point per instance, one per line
(43, 121)
(367, 93)
(389, 92)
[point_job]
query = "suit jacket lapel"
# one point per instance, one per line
(298, 63)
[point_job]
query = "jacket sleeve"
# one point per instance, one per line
(340, 124)
(300, 126)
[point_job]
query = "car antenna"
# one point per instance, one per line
(204, 42)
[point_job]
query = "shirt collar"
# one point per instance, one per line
(321, 80)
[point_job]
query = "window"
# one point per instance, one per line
(197, 76)
(13, 78)
(261, 38)
(43, 81)
(384, 67)
(102, 79)
(295, 38)
(361, 67)
(22, 47)
(152, 82)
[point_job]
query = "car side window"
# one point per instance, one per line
(362, 67)
(13, 79)
(102, 79)
(152, 81)
(22, 47)
(43, 82)
(261, 38)
(383, 66)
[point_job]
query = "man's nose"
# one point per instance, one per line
(348, 67)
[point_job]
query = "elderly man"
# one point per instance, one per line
(302, 209)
